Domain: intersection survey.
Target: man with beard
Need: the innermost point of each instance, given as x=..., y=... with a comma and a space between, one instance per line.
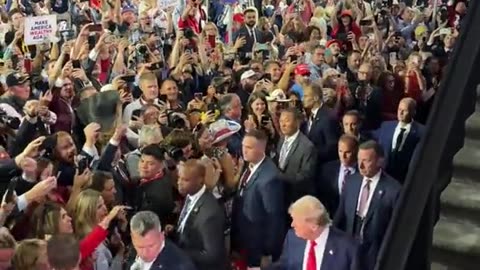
x=249, y=33
x=368, y=98
x=354, y=60
x=247, y=83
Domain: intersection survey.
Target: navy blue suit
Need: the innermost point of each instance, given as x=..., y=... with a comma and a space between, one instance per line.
x=324, y=134
x=327, y=186
x=397, y=164
x=377, y=218
x=341, y=252
x=258, y=215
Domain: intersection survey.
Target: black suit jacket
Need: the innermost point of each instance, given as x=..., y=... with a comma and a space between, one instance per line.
x=250, y=40
x=378, y=216
x=202, y=237
x=299, y=169
x=324, y=134
x=327, y=187
x=170, y=258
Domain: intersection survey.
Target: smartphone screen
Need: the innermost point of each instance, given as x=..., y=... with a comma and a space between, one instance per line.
x=76, y=64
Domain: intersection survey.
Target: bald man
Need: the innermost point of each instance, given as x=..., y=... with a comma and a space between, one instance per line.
x=400, y=139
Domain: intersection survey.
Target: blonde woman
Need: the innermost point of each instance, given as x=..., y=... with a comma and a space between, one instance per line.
x=88, y=211
x=31, y=254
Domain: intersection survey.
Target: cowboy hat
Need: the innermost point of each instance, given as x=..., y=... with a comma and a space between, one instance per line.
x=223, y=129
x=278, y=96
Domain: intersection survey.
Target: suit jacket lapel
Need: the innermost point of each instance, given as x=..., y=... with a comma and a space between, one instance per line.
x=292, y=149
x=254, y=176
x=328, y=260
x=376, y=198
x=194, y=212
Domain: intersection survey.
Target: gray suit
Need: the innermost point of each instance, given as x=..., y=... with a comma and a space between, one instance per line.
x=299, y=167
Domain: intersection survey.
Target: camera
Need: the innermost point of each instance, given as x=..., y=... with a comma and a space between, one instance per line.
x=175, y=120
x=174, y=153
x=9, y=121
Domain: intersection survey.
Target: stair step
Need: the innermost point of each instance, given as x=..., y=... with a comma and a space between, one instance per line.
x=457, y=235
x=462, y=194
x=461, y=199
x=468, y=157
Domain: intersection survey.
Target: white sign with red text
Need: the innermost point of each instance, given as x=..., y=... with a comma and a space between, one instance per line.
x=39, y=29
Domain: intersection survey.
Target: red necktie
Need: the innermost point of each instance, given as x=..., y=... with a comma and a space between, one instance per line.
x=312, y=260
x=245, y=176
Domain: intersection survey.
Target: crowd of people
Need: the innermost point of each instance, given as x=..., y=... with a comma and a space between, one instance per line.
x=212, y=135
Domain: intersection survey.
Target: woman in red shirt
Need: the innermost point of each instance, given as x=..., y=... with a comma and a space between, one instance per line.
x=192, y=17
x=345, y=30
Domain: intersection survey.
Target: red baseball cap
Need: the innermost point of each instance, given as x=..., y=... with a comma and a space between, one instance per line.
x=332, y=41
x=302, y=70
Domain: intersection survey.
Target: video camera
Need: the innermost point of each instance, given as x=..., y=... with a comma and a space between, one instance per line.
x=8, y=121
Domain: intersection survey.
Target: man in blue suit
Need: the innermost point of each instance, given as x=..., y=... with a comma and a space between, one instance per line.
x=367, y=203
x=333, y=174
x=313, y=244
x=258, y=213
x=399, y=139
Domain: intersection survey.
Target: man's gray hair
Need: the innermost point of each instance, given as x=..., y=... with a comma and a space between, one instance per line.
x=144, y=222
x=225, y=102
x=149, y=134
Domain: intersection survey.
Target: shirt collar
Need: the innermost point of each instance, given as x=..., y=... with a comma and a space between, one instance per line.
x=292, y=138
x=254, y=167
x=322, y=238
x=196, y=196
x=407, y=127
x=350, y=169
x=375, y=178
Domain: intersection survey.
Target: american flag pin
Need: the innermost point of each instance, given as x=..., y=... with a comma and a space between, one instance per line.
x=330, y=252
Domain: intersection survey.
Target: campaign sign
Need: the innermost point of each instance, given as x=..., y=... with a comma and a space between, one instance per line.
x=39, y=29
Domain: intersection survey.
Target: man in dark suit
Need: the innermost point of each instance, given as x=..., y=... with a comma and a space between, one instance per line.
x=313, y=244
x=249, y=34
x=399, y=139
x=153, y=251
x=352, y=125
x=367, y=203
x=258, y=213
x=322, y=127
x=201, y=224
x=368, y=97
x=296, y=157
x=333, y=174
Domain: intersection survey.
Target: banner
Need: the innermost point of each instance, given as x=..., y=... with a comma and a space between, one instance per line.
x=39, y=29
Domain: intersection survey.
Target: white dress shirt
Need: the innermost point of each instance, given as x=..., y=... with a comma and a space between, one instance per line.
x=193, y=200
x=407, y=128
x=140, y=264
x=319, y=249
x=341, y=176
x=312, y=116
x=373, y=186
x=254, y=167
